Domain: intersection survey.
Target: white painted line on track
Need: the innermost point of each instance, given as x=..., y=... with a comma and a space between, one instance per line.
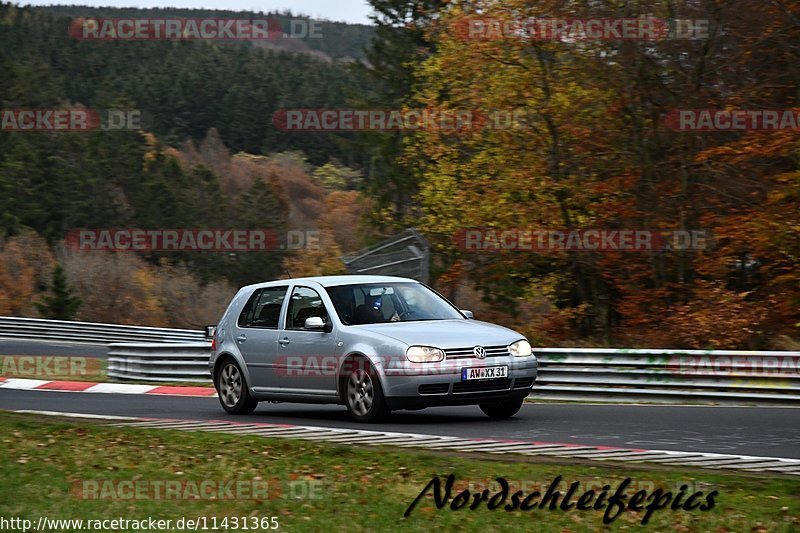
x=120, y=388
x=77, y=415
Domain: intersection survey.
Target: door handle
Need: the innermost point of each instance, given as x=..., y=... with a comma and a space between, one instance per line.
x=241, y=338
x=284, y=341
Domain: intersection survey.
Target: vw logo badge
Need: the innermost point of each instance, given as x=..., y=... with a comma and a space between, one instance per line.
x=479, y=352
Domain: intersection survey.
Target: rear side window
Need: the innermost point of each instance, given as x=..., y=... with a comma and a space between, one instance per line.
x=263, y=309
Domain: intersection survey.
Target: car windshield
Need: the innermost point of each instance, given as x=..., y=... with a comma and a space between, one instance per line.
x=389, y=302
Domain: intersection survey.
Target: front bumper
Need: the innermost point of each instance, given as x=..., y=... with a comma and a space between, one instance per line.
x=418, y=385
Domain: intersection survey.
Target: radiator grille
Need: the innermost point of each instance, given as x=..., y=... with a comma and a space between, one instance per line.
x=467, y=353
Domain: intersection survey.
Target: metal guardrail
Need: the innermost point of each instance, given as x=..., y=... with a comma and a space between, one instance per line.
x=406, y=254
x=90, y=332
x=667, y=375
x=597, y=374
x=160, y=361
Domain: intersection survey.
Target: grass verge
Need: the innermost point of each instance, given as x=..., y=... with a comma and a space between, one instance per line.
x=65, y=469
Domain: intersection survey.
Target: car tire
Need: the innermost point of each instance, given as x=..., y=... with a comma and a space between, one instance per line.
x=232, y=390
x=501, y=410
x=363, y=395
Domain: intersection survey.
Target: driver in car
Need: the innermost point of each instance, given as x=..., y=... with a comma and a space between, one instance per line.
x=372, y=310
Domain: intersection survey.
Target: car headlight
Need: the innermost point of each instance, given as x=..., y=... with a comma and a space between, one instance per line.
x=520, y=348
x=424, y=354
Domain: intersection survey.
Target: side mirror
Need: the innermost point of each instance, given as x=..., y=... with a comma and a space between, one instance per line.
x=467, y=314
x=210, y=331
x=315, y=323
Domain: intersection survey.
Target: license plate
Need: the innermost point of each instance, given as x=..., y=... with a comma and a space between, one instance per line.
x=484, y=372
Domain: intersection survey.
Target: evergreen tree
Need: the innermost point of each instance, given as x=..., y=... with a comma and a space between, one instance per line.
x=62, y=305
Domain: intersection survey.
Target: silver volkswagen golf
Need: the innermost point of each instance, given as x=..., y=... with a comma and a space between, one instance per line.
x=372, y=343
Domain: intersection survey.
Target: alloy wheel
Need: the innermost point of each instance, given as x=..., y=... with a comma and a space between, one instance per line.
x=360, y=392
x=230, y=385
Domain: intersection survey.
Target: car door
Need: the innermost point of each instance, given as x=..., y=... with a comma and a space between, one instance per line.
x=307, y=358
x=257, y=334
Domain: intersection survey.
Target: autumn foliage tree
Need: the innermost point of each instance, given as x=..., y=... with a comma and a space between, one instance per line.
x=592, y=149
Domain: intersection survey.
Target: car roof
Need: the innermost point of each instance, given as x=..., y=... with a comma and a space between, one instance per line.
x=332, y=281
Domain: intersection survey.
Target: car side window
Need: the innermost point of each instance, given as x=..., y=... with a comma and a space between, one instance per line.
x=263, y=309
x=304, y=303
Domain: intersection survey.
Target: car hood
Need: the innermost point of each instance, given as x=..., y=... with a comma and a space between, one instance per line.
x=446, y=334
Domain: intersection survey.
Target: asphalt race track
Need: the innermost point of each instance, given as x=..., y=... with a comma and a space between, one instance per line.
x=769, y=432
x=762, y=431
x=32, y=347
